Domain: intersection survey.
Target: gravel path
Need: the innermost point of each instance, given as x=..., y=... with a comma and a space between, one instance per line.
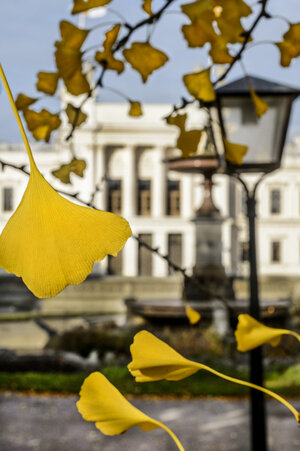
x=52, y=423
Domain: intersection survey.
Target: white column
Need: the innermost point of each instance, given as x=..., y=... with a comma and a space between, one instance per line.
x=186, y=196
x=159, y=184
x=129, y=183
x=189, y=247
x=100, y=165
x=130, y=258
x=160, y=266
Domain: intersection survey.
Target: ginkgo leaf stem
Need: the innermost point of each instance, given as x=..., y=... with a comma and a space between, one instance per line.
x=250, y=385
x=174, y=437
x=18, y=119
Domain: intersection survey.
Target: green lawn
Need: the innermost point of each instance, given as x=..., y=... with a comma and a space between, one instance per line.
x=201, y=384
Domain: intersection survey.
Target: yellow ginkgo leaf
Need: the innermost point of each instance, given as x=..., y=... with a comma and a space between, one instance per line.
x=261, y=107
x=250, y=334
x=187, y=141
x=106, y=57
x=199, y=32
x=199, y=85
x=112, y=414
x=144, y=58
x=147, y=4
x=63, y=172
x=51, y=242
x=200, y=9
x=69, y=65
x=47, y=82
x=23, y=102
x=192, y=314
x=84, y=5
x=41, y=124
x=154, y=360
x=290, y=46
x=135, y=109
x=229, y=19
x=71, y=35
x=234, y=153
x=219, y=51
x=75, y=115
x=68, y=57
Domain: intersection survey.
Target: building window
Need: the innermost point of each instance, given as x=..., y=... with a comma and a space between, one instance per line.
x=173, y=198
x=244, y=251
x=145, y=255
x=114, y=193
x=175, y=249
x=7, y=199
x=144, y=197
x=115, y=265
x=275, y=251
x=275, y=201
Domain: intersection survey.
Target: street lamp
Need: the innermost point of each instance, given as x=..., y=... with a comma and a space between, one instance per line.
x=265, y=138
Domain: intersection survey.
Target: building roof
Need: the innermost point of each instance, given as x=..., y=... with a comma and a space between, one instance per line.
x=260, y=86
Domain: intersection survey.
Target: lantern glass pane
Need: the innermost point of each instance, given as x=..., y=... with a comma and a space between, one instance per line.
x=263, y=136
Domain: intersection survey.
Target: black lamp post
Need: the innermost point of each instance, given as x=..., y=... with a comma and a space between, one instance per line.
x=265, y=138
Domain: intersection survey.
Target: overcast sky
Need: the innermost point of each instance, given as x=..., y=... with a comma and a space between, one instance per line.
x=29, y=28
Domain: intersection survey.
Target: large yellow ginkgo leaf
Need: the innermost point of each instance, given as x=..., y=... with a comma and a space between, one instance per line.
x=199, y=85
x=51, y=242
x=261, y=107
x=103, y=404
x=144, y=58
x=188, y=140
x=84, y=5
x=154, y=360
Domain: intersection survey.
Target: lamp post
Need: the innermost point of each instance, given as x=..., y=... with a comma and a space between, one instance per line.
x=265, y=138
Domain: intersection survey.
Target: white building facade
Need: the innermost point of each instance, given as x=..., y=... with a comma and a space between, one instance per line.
x=125, y=159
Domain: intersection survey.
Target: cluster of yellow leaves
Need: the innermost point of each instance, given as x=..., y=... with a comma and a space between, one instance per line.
x=106, y=57
x=226, y=15
x=75, y=166
x=68, y=58
x=80, y=6
x=187, y=141
x=144, y=58
x=290, y=46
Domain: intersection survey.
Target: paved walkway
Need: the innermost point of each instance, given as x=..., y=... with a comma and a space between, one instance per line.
x=52, y=423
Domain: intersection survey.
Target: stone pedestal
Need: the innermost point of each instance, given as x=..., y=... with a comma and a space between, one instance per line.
x=209, y=270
